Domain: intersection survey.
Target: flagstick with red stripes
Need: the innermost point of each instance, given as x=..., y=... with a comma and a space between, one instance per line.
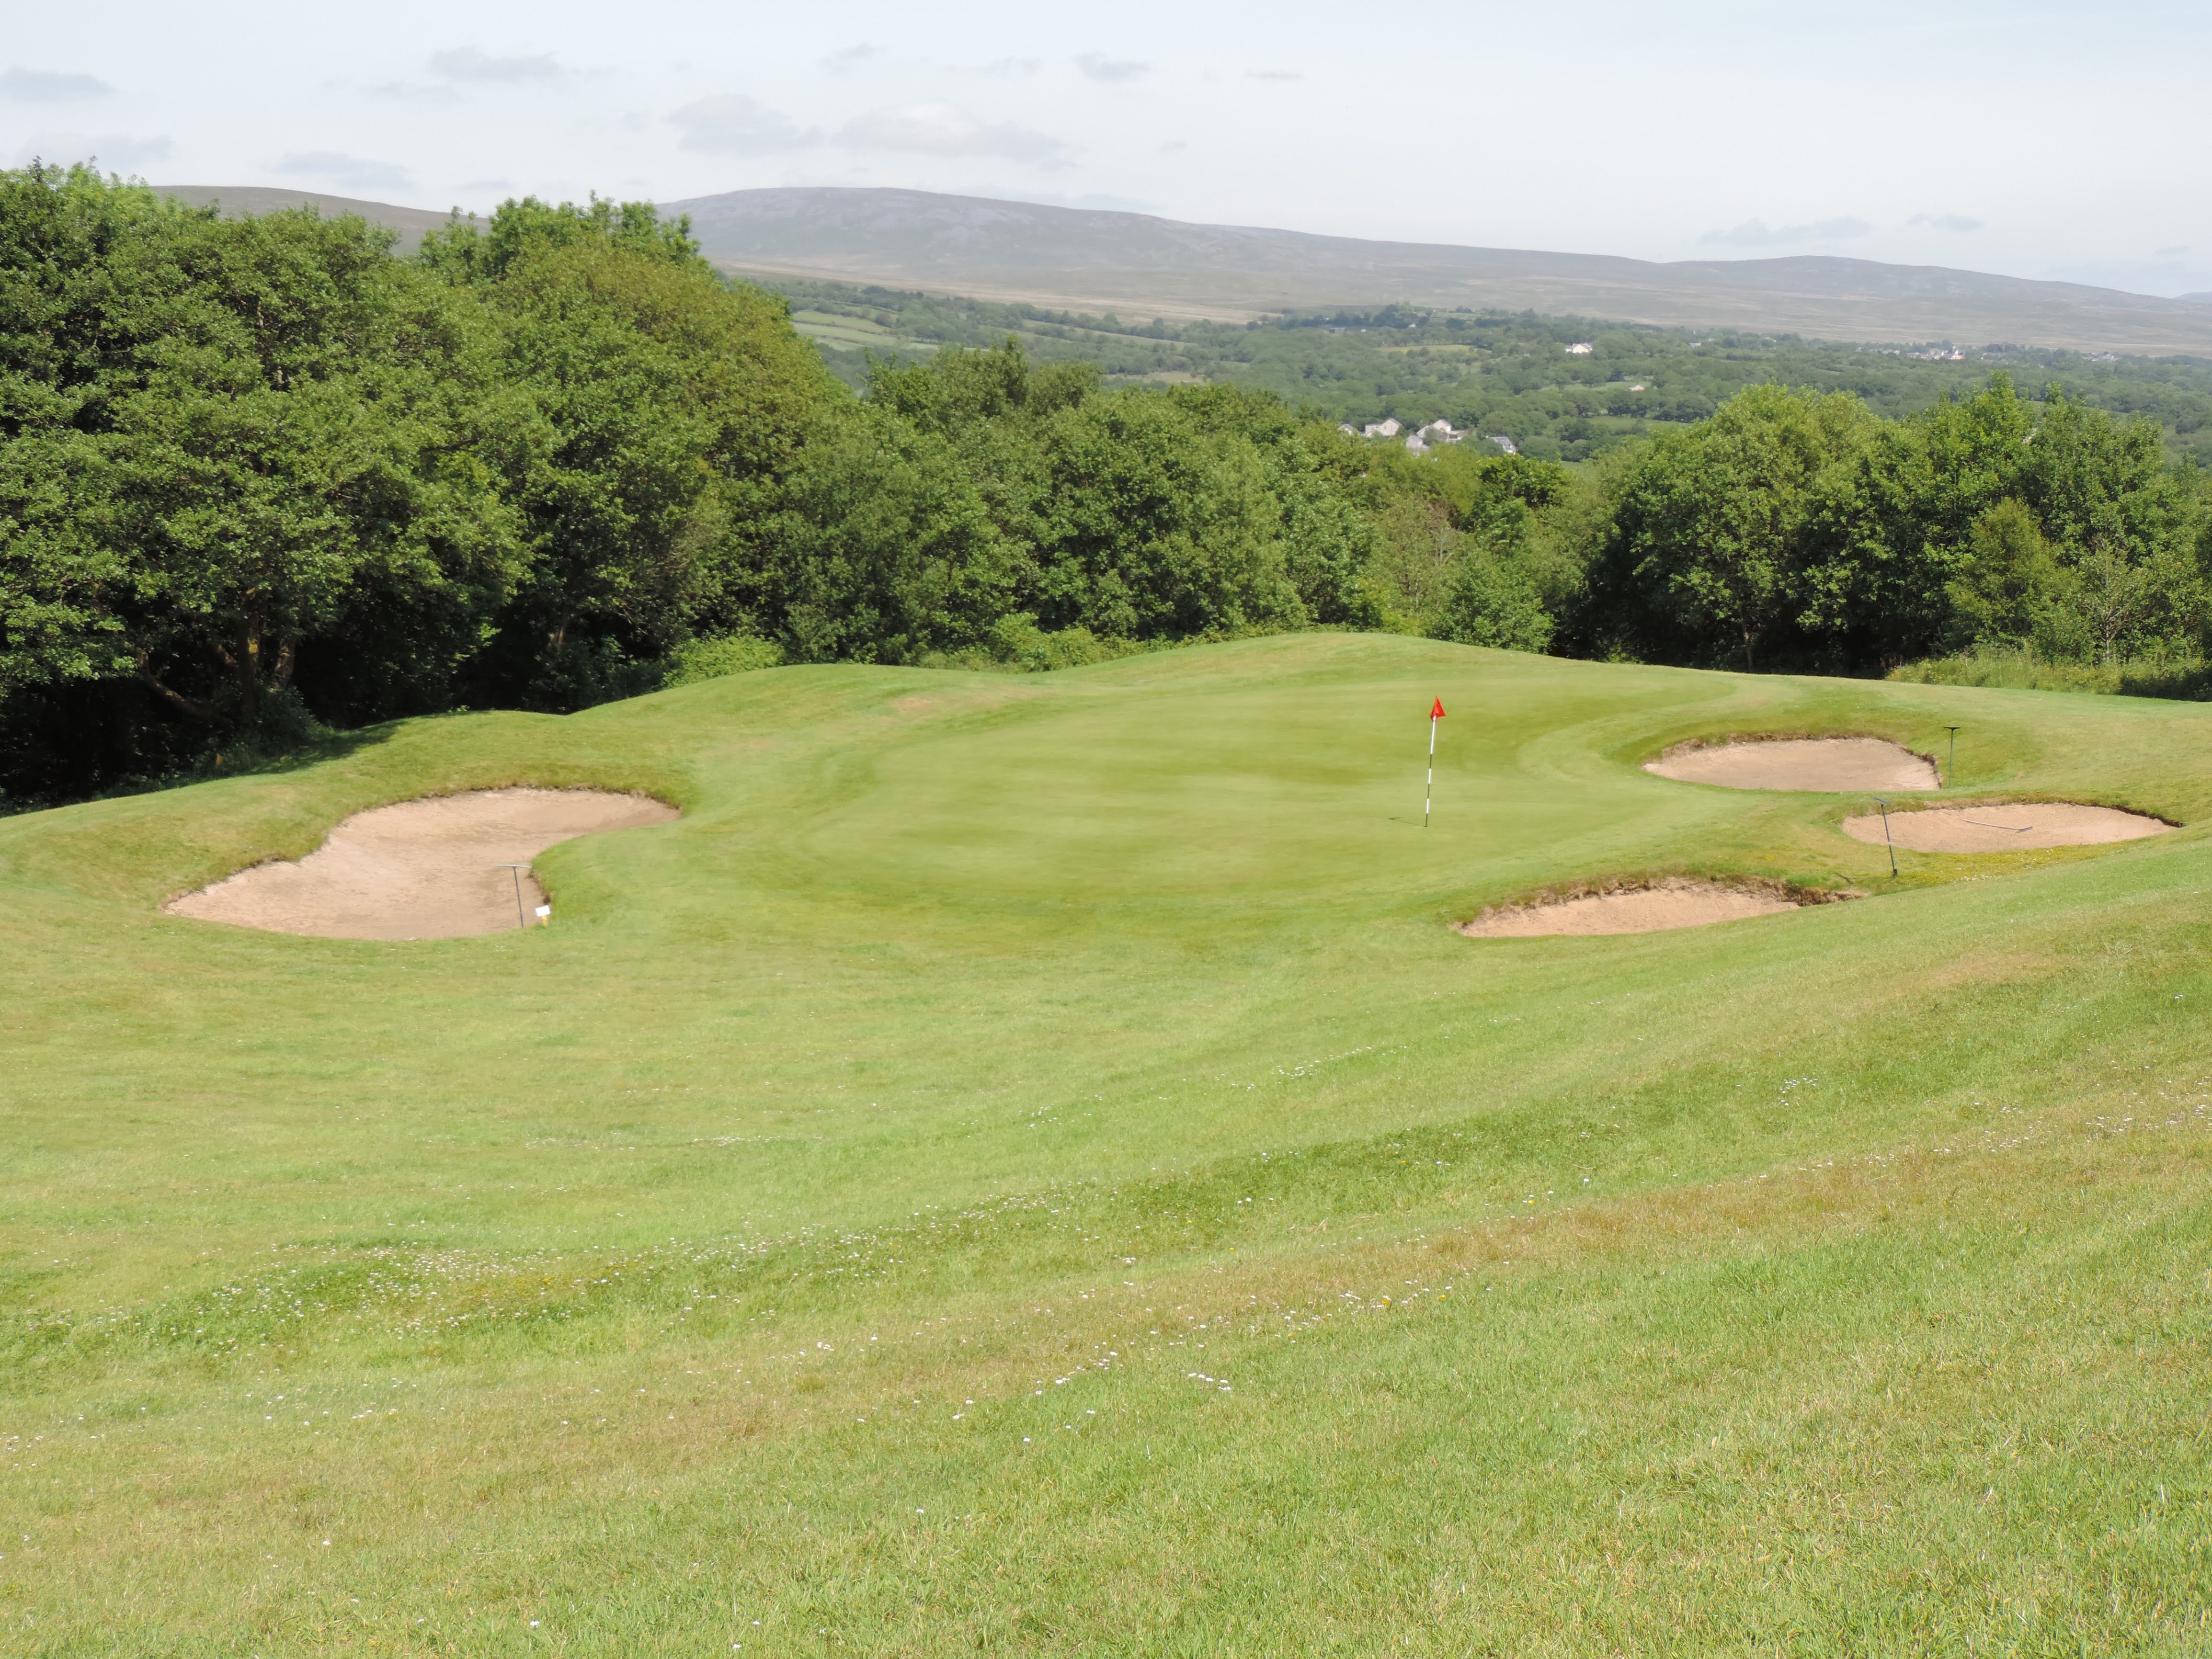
x=1430, y=795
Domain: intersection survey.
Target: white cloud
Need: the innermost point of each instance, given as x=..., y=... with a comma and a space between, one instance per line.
x=851, y=57
x=467, y=64
x=734, y=124
x=355, y=172
x=410, y=92
x=1958, y=222
x=1274, y=75
x=947, y=130
x=115, y=152
x=1754, y=232
x=39, y=86
x=1013, y=66
x=1099, y=67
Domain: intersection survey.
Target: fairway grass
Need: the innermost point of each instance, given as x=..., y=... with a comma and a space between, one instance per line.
x=1027, y=1165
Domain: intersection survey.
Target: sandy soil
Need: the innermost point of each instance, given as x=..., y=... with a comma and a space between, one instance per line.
x=423, y=869
x=1675, y=902
x=1829, y=764
x=2004, y=828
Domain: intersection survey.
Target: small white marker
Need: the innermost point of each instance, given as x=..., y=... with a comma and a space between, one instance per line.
x=545, y=912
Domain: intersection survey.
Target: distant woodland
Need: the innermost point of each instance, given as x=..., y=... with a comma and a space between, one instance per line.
x=1494, y=373
x=262, y=483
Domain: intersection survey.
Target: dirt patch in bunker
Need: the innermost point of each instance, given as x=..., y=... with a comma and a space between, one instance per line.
x=2016, y=827
x=1641, y=908
x=433, y=868
x=1812, y=765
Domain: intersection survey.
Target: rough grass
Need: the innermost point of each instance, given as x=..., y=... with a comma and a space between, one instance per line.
x=2020, y=671
x=1025, y=1166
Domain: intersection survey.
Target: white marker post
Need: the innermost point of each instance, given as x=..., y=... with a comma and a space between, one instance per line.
x=1429, y=794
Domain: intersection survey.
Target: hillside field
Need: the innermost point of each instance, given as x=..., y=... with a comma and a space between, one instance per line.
x=1025, y=1166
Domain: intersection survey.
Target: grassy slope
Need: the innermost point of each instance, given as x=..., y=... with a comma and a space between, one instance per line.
x=971, y=1034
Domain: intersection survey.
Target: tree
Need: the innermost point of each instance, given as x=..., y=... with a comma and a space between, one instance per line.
x=1711, y=523
x=250, y=440
x=2012, y=582
x=668, y=407
x=884, y=552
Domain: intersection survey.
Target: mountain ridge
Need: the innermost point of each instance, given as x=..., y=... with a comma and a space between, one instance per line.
x=1143, y=264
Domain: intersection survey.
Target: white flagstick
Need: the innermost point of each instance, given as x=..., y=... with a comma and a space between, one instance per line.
x=1428, y=793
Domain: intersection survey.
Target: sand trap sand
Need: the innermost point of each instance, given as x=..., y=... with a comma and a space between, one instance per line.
x=1674, y=903
x=1827, y=764
x=423, y=869
x=2004, y=828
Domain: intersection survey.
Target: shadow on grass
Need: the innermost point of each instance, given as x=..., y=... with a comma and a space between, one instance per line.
x=234, y=758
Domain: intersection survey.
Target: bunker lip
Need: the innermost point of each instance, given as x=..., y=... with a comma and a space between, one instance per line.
x=2002, y=827
x=1810, y=765
x=435, y=867
x=1640, y=905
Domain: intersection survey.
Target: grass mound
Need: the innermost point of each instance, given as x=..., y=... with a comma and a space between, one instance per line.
x=1026, y=1165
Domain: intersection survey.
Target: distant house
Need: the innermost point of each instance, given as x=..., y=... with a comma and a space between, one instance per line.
x=1414, y=442
x=1581, y=348
x=1389, y=428
x=1348, y=429
x=1439, y=432
x=1505, y=443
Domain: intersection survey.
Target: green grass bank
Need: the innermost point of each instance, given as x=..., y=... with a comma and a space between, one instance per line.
x=1026, y=1165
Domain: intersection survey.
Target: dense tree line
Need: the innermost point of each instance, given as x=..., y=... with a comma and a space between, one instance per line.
x=260, y=476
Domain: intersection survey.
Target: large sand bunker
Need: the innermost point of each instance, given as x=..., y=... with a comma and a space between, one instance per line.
x=1674, y=903
x=1833, y=765
x=2012, y=829
x=424, y=869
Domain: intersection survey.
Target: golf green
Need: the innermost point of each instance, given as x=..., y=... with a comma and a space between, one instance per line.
x=1026, y=1164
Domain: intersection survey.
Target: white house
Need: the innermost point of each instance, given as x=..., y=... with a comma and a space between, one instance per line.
x=1581, y=348
x=1389, y=428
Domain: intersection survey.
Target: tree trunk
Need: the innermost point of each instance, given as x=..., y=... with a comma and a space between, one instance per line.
x=192, y=706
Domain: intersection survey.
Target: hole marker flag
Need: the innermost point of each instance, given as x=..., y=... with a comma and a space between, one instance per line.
x=1436, y=713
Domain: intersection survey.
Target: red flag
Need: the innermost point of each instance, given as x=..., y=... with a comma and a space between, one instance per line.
x=1437, y=713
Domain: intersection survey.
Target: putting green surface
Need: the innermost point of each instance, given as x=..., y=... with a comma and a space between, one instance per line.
x=1025, y=1163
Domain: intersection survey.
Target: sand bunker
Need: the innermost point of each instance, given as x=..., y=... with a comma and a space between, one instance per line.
x=1832, y=765
x=424, y=869
x=2004, y=828
x=1674, y=903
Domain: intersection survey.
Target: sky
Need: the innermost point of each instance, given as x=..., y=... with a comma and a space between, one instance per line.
x=2037, y=140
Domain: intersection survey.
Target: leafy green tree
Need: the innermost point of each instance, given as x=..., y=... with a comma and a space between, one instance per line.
x=884, y=551
x=668, y=407
x=1154, y=529
x=1711, y=523
x=251, y=441
x=2012, y=582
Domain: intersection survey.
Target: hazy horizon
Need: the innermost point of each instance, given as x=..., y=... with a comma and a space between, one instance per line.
x=2029, y=140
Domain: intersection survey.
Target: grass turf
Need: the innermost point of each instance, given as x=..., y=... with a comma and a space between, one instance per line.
x=1026, y=1165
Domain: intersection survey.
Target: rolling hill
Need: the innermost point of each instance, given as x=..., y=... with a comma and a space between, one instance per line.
x=241, y=199
x=1023, y=1166
x=1136, y=264
x=1140, y=265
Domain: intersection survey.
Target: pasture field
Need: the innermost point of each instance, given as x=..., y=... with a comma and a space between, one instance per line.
x=1025, y=1166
